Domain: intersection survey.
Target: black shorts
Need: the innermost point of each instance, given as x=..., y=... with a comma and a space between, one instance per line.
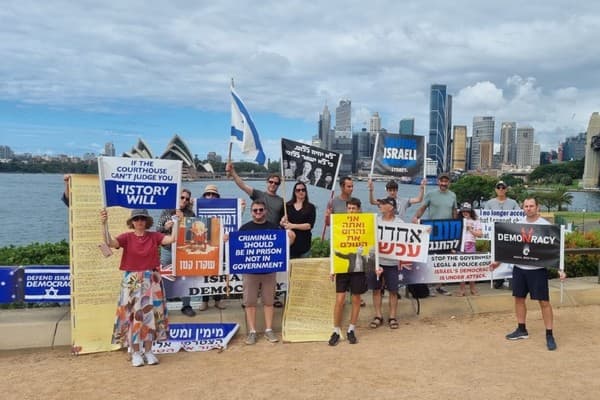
x=356, y=282
x=532, y=281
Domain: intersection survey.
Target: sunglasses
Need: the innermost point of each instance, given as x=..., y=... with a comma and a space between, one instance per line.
x=185, y=198
x=210, y=195
x=276, y=183
x=138, y=218
x=257, y=210
x=300, y=190
x=501, y=187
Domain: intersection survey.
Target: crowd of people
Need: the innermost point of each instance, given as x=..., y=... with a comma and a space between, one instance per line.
x=142, y=315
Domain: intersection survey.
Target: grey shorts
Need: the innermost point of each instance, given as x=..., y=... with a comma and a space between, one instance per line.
x=266, y=283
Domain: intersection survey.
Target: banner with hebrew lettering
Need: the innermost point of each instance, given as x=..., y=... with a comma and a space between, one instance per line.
x=310, y=165
x=445, y=235
x=403, y=242
x=353, y=243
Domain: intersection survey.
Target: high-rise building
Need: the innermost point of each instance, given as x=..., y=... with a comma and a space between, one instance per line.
x=343, y=145
x=6, y=153
x=524, y=146
x=361, y=150
x=508, y=143
x=574, y=147
x=437, y=147
x=109, y=149
x=343, y=119
x=591, y=170
x=324, y=127
x=459, y=148
x=482, y=141
x=448, y=133
x=375, y=123
x=407, y=126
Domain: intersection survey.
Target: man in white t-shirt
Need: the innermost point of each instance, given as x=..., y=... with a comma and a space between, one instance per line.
x=532, y=280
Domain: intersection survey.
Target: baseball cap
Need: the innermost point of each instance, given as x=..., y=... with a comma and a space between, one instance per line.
x=444, y=175
x=500, y=183
x=466, y=206
x=387, y=200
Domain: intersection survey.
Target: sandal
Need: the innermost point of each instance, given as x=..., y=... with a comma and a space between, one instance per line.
x=277, y=304
x=458, y=293
x=393, y=322
x=475, y=292
x=376, y=323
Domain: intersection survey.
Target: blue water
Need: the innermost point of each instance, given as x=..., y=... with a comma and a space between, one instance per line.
x=31, y=209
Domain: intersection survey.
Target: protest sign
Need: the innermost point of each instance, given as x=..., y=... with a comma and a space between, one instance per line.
x=445, y=235
x=402, y=241
x=310, y=165
x=527, y=244
x=399, y=155
x=258, y=252
x=487, y=218
x=447, y=268
x=139, y=183
x=199, y=248
x=353, y=242
x=47, y=283
x=196, y=337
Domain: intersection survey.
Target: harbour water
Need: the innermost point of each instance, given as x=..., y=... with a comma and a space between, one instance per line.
x=32, y=211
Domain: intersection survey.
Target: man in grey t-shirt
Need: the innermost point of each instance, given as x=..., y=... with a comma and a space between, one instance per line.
x=501, y=201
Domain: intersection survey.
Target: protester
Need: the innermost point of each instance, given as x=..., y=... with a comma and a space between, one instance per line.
x=165, y=225
x=301, y=215
x=273, y=202
x=263, y=283
x=356, y=282
x=532, y=280
x=403, y=203
x=387, y=272
x=440, y=204
x=501, y=202
x=472, y=231
x=142, y=310
x=339, y=204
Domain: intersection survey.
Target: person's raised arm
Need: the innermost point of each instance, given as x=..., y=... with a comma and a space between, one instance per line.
x=371, y=196
x=111, y=242
x=419, y=198
x=236, y=178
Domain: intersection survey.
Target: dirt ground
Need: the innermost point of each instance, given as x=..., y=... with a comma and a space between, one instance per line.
x=457, y=358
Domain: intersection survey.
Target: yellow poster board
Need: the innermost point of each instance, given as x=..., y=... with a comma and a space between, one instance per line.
x=308, y=315
x=95, y=279
x=353, y=242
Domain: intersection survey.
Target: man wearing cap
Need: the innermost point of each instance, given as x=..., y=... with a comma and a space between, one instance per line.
x=501, y=202
x=386, y=272
x=440, y=204
x=402, y=203
x=165, y=225
x=211, y=192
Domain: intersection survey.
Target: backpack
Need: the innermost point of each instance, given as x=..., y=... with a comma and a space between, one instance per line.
x=418, y=291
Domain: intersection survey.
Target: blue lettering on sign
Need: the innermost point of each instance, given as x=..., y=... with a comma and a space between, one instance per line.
x=198, y=332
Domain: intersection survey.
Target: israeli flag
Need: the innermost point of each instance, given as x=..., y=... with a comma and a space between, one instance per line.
x=243, y=131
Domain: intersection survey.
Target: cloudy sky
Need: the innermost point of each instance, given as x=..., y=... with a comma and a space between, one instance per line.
x=77, y=74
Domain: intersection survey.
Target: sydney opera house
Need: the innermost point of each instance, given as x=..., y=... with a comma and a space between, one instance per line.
x=176, y=150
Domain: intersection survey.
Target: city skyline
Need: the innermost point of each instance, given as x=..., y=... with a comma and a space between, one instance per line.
x=74, y=78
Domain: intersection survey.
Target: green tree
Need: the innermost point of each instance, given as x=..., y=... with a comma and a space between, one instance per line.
x=474, y=188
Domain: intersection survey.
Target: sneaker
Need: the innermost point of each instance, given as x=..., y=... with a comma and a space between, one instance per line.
x=251, y=338
x=517, y=334
x=270, y=336
x=334, y=339
x=203, y=306
x=136, y=359
x=150, y=358
x=550, y=343
x=443, y=291
x=219, y=304
x=432, y=292
x=187, y=310
x=351, y=337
